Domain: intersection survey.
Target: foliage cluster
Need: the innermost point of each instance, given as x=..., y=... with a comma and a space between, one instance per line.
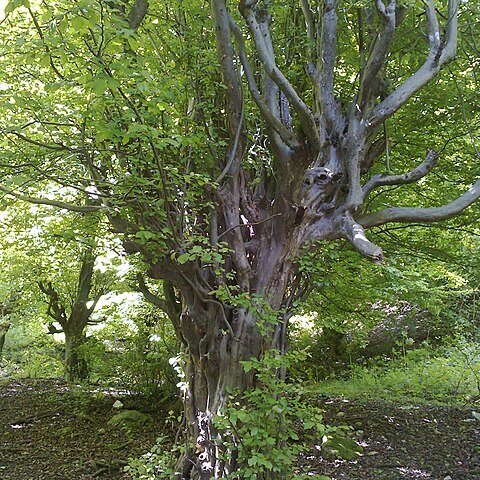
x=29, y=353
x=269, y=426
x=132, y=353
x=266, y=428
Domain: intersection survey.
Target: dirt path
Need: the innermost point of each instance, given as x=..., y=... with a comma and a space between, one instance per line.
x=406, y=442
x=48, y=432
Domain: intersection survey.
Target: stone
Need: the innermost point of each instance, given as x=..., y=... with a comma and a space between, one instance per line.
x=129, y=417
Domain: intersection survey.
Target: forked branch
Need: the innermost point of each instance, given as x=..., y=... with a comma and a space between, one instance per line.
x=55, y=308
x=440, y=53
x=272, y=121
x=268, y=61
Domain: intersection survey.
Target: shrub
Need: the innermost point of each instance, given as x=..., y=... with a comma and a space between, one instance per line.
x=269, y=426
x=133, y=355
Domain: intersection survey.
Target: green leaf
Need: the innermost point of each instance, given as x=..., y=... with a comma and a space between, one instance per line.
x=14, y=4
x=183, y=258
x=45, y=60
x=99, y=85
x=206, y=257
x=79, y=23
x=145, y=235
x=133, y=43
x=268, y=464
x=17, y=180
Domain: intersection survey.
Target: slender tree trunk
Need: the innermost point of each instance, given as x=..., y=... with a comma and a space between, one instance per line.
x=75, y=366
x=4, y=327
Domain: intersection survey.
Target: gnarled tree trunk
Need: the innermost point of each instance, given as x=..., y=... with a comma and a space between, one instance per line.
x=213, y=370
x=218, y=334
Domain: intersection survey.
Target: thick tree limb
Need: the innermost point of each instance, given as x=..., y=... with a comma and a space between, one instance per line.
x=85, y=276
x=439, y=55
x=268, y=61
x=328, y=49
x=410, y=177
x=85, y=285
x=276, y=100
x=412, y=214
x=433, y=26
x=55, y=309
x=234, y=96
x=377, y=58
x=375, y=149
x=356, y=132
x=149, y=295
x=309, y=23
x=137, y=13
x=272, y=121
x=355, y=234
x=53, y=203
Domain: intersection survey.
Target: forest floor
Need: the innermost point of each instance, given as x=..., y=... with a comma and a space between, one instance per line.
x=49, y=432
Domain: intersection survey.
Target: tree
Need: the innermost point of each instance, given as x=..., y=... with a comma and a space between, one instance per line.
x=5, y=324
x=220, y=191
x=72, y=281
x=56, y=260
x=4, y=328
x=75, y=315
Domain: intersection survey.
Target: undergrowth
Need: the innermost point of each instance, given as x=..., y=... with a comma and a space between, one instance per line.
x=447, y=375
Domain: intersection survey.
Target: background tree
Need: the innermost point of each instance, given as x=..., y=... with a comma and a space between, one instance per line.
x=5, y=324
x=219, y=191
x=74, y=315
x=58, y=260
x=4, y=327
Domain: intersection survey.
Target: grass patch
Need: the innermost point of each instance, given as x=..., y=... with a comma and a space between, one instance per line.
x=449, y=375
